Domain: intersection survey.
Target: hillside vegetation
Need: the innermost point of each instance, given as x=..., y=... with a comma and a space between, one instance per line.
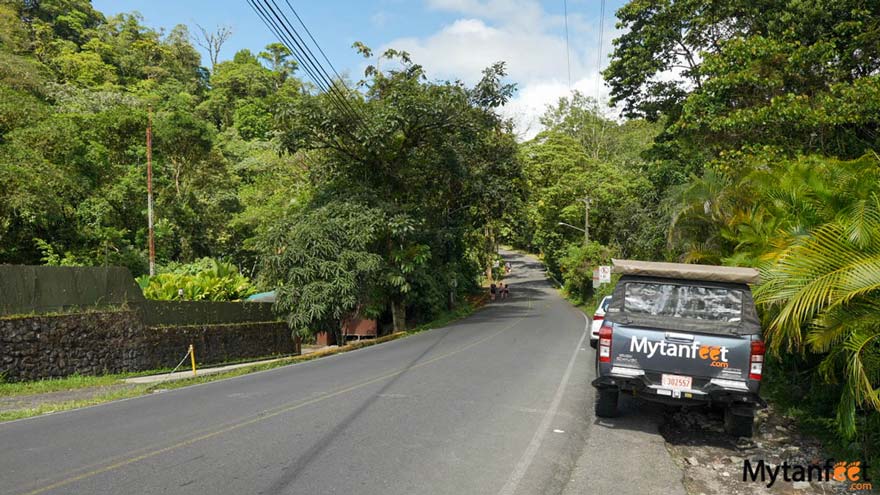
x=747, y=135
x=750, y=138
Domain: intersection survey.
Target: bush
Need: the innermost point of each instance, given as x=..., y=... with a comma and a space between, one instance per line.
x=577, y=268
x=204, y=280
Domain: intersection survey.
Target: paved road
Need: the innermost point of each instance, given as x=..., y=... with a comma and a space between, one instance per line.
x=499, y=403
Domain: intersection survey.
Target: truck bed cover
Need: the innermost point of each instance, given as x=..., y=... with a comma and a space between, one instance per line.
x=683, y=271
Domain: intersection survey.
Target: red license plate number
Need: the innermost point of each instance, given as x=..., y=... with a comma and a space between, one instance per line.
x=677, y=382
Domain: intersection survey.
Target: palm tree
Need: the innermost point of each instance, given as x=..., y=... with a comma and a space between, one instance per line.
x=823, y=294
x=699, y=210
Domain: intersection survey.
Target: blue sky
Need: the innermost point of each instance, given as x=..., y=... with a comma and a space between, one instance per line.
x=453, y=39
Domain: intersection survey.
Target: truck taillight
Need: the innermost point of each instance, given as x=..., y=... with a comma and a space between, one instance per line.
x=598, y=317
x=605, y=343
x=756, y=361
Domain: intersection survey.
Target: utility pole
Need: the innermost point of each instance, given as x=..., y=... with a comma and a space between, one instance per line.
x=587, y=202
x=150, y=191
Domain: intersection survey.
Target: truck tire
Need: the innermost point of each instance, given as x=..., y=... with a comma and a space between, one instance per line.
x=606, y=402
x=739, y=425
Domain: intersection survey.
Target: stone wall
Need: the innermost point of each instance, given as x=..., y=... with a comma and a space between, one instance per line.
x=217, y=343
x=94, y=343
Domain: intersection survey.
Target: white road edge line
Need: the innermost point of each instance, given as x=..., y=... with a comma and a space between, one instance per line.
x=519, y=471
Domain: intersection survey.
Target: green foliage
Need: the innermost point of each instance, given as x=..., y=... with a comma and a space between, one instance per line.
x=237, y=154
x=577, y=267
x=432, y=158
x=768, y=159
x=751, y=140
x=822, y=294
x=203, y=280
x=749, y=214
x=584, y=154
x=321, y=265
x=75, y=88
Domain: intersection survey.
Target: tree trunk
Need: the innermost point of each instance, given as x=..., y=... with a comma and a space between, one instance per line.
x=491, y=249
x=177, y=168
x=398, y=315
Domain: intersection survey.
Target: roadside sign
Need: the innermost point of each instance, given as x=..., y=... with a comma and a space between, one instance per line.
x=596, y=282
x=605, y=274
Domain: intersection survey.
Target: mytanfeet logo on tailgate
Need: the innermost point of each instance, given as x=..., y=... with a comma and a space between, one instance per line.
x=855, y=473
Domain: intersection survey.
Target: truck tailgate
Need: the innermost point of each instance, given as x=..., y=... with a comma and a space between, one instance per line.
x=696, y=355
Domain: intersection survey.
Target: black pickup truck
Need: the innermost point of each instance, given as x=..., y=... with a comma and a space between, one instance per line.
x=682, y=334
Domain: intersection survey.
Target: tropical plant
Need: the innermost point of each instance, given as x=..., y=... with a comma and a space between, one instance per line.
x=204, y=280
x=321, y=265
x=432, y=160
x=823, y=295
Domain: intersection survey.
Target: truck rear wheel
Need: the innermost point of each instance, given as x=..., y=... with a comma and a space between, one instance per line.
x=606, y=402
x=739, y=425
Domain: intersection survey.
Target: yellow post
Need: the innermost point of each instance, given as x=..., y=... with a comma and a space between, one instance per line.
x=192, y=358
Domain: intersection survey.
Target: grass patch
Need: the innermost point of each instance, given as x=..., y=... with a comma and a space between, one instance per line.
x=51, y=407
x=48, y=385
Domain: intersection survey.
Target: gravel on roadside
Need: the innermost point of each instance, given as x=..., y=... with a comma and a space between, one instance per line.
x=714, y=462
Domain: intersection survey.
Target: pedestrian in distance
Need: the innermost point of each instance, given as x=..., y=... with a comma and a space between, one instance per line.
x=501, y=289
x=492, y=289
x=507, y=267
x=505, y=291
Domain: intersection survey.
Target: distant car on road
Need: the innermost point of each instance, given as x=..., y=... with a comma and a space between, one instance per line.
x=598, y=318
x=682, y=335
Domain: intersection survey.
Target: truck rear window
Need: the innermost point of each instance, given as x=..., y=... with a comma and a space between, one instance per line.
x=683, y=301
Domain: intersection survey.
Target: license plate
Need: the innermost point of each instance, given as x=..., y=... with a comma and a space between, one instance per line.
x=677, y=382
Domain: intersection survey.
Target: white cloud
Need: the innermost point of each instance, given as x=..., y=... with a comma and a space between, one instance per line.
x=531, y=101
x=523, y=35
x=524, y=14
x=467, y=46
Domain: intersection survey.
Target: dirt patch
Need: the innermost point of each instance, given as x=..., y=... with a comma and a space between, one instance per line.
x=21, y=402
x=714, y=462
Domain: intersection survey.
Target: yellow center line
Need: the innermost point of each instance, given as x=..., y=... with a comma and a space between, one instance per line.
x=260, y=417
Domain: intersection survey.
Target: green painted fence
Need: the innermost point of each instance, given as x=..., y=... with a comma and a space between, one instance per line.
x=50, y=289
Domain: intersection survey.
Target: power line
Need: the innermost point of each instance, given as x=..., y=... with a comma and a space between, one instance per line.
x=315, y=42
x=272, y=25
x=599, y=52
x=307, y=54
x=567, y=49
x=276, y=22
x=276, y=28
x=275, y=19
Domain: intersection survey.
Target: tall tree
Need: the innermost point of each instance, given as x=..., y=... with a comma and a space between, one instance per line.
x=434, y=158
x=213, y=41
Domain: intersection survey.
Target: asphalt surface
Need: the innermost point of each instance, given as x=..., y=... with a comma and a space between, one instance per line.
x=498, y=403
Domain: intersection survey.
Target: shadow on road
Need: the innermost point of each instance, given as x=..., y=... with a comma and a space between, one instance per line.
x=292, y=471
x=678, y=425
x=523, y=288
x=635, y=415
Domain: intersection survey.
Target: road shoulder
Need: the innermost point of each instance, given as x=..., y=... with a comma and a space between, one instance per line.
x=626, y=455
